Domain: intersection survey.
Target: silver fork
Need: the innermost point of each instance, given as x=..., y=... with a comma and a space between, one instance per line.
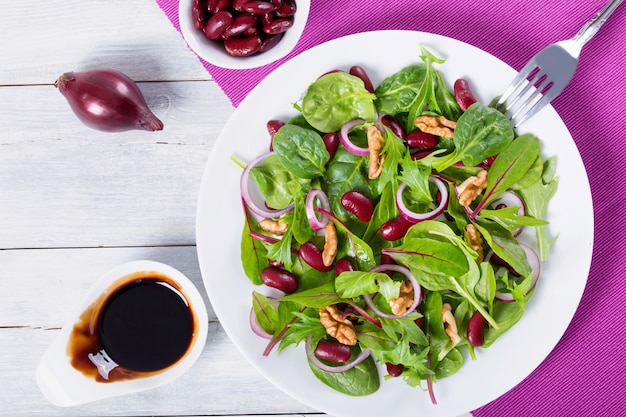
x=548, y=72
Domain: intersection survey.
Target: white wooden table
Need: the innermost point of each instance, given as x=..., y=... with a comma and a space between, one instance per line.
x=75, y=202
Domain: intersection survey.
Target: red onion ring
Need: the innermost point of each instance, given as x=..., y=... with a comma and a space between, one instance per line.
x=254, y=325
x=315, y=222
x=251, y=195
x=333, y=369
x=347, y=143
x=535, y=265
x=417, y=290
x=414, y=217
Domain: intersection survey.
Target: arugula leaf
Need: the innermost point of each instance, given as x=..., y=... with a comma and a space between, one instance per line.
x=306, y=323
x=353, y=284
x=280, y=251
x=502, y=242
x=537, y=198
x=507, y=217
x=317, y=297
x=393, y=150
x=415, y=175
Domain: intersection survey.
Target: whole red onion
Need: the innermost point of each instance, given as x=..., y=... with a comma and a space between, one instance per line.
x=107, y=100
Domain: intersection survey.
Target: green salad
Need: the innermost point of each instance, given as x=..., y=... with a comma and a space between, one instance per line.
x=387, y=220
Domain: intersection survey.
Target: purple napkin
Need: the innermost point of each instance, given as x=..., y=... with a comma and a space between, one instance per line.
x=584, y=375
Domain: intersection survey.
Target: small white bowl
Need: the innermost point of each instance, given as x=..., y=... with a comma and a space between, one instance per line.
x=213, y=51
x=64, y=385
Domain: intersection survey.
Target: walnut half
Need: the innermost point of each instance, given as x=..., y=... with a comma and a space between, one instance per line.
x=337, y=326
x=449, y=323
x=401, y=304
x=472, y=187
x=438, y=126
x=474, y=240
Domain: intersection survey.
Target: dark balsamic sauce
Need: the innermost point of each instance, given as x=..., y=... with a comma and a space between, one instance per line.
x=141, y=326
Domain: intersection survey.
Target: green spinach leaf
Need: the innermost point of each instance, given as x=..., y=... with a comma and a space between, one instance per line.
x=334, y=99
x=301, y=151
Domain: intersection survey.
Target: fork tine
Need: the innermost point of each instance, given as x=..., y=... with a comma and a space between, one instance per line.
x=529, y=98
x=548, y=94
x=533, y=79
x=517, y=82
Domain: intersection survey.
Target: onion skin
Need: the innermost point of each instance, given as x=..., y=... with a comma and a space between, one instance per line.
x=107, y=100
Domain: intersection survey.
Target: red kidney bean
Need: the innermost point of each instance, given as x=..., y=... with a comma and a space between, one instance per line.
x=273, y=126
x=476, y=329
x=394, y=370
x=387, y=260
x=313, y=257
x=286, y=9
x=358, y=204
x=258, y=7
x=276, y=3
x=417, y=155
x=269, y=42
x=395, y=126
x=242, y=46
x=334, y=352
x=277, y=26
x=463, y=94
x=240, y=25
x=238, y=5
x=489, y=161
x=266, y=18
x=280, y=279
x=419, y=139
x=496, y=260
x=395, y=229
x=273, y=262
x=358, y=71
x=214, y=6
x=197, y=14
x=343, y=265
x=331, y=141
x=217, y=24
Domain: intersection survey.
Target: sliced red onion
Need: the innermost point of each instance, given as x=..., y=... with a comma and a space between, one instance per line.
x=251, y=195
x=315, y=222
x=417, y=290
x=535, y=265
x=345, y=140
x=254, y=325
x=414, y=217
x=510, y=199
x=333, y=369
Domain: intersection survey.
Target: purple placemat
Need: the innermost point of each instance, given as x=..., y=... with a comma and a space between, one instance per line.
x=584, y=375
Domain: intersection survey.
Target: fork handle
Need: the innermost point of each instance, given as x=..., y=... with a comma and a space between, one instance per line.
x=593, y=25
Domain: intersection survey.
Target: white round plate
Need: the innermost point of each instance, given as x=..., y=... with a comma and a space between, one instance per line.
x=220, y=222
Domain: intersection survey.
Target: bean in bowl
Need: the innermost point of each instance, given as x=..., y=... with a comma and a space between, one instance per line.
x=244, y=27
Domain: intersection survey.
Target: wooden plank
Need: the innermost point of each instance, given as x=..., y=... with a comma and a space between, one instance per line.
x=47, y=285
x=41, y=40
x=66, y=185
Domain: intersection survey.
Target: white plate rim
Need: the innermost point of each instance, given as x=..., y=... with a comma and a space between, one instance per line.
x=575, y=228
